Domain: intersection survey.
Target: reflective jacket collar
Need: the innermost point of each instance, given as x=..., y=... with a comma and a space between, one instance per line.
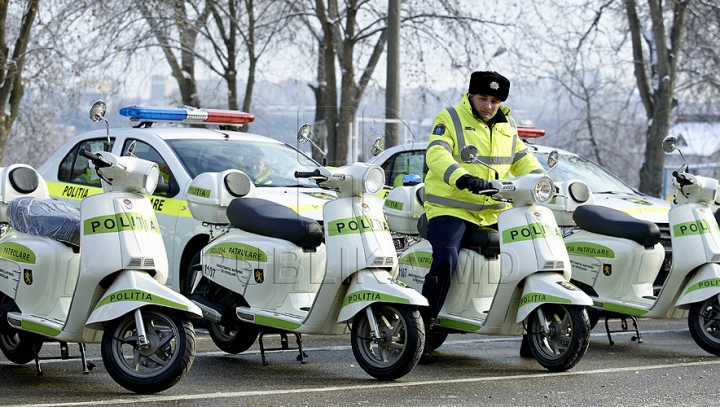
x=500, y=116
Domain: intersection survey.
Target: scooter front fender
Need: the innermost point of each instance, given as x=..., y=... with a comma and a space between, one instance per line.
x=133, y=289
x=376, y=285
x=548, y=288
x=702, y=285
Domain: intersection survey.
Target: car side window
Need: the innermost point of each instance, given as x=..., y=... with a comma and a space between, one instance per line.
x=140, y=149
x=402, y=164
x=74, y=167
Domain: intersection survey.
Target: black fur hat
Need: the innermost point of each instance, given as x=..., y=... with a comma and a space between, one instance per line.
x=489, y=83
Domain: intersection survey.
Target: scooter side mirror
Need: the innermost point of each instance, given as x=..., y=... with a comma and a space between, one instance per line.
x=97, y=111
x=377, y=147
x=553, y=159
x=303, y=136
x=468, y=153
x=304, y=133
x=668, y=144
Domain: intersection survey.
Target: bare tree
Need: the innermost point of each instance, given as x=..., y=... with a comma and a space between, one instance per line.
x=243, y=32
x=656, y=49
x=351, y=40
x=12, y=88
x=66, y=57
x=175, y=26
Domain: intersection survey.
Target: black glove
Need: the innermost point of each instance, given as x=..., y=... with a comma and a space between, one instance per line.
x=472, y=183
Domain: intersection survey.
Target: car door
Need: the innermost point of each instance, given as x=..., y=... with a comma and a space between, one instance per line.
x=75, y=180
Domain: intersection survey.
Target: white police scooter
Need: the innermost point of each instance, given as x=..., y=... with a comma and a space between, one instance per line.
x=271, y=270
x=505, y=283
x=615, y=259
x=93, y=276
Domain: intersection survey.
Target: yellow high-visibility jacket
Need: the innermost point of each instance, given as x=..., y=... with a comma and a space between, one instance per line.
x=498, y=146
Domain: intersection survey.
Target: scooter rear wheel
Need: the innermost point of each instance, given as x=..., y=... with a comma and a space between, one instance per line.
x=20, y=347
x=567, y=340
x=158, y=367
x=704, y=324
x=399, y=347
x=233, y=338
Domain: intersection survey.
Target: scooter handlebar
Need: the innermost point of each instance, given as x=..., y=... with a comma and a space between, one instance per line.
x=488, y=192
x=311, y=174
x=682, y=179
x=96, y=159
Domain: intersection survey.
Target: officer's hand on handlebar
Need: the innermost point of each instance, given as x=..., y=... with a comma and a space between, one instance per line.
x=472, y=183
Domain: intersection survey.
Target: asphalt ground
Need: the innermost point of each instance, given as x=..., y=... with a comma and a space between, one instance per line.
x=667, y=369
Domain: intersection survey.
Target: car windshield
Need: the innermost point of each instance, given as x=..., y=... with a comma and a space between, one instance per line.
x=267, y=164
x=598, y=179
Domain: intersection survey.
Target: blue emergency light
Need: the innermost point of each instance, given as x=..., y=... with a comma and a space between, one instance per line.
x=186, y=114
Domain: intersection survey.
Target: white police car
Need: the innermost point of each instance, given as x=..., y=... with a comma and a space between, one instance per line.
x=182, y=153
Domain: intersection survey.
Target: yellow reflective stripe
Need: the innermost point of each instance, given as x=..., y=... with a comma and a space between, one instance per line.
x=305, y=208
x=71, y=191
x=635, y=211
x=169, y=206
x=165, y=206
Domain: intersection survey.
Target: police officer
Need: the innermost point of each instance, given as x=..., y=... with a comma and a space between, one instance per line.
x=452, y=205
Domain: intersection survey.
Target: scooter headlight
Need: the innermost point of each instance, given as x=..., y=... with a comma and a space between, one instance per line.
x=544, y=189
x=150, y=180
x=374, y=180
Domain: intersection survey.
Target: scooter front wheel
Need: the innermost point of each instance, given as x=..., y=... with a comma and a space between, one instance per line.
x=558, y=335
x=159, y=365
x=396, y=352
x=704, y=324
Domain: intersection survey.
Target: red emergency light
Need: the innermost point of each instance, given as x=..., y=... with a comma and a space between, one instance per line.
x=530, y=131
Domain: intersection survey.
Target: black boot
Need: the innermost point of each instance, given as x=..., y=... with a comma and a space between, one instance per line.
x=525, y=351
x=427, y=358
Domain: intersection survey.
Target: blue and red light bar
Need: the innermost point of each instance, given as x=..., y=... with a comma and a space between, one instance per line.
x=530, y=131
x=189, y=115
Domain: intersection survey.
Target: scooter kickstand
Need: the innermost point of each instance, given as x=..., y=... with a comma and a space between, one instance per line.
x=37, y=361
x=284, y=345
x=87, y=366
x=302, y=355
x=637, y=331
x=624, y=327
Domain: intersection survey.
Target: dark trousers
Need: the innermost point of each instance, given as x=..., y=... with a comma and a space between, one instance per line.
x=445, y=234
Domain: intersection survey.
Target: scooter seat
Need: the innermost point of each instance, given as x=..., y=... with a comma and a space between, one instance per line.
x=485, y=241
x=612, y=222
x=45, y=217
x=267, y=218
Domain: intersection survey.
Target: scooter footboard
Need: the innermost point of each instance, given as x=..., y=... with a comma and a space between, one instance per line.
x=702, y=285
x=376, y=285
x=133, y=289
x=548, y=288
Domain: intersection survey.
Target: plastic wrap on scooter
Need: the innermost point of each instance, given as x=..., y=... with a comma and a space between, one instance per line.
x=45, y=217
x=267, y=218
